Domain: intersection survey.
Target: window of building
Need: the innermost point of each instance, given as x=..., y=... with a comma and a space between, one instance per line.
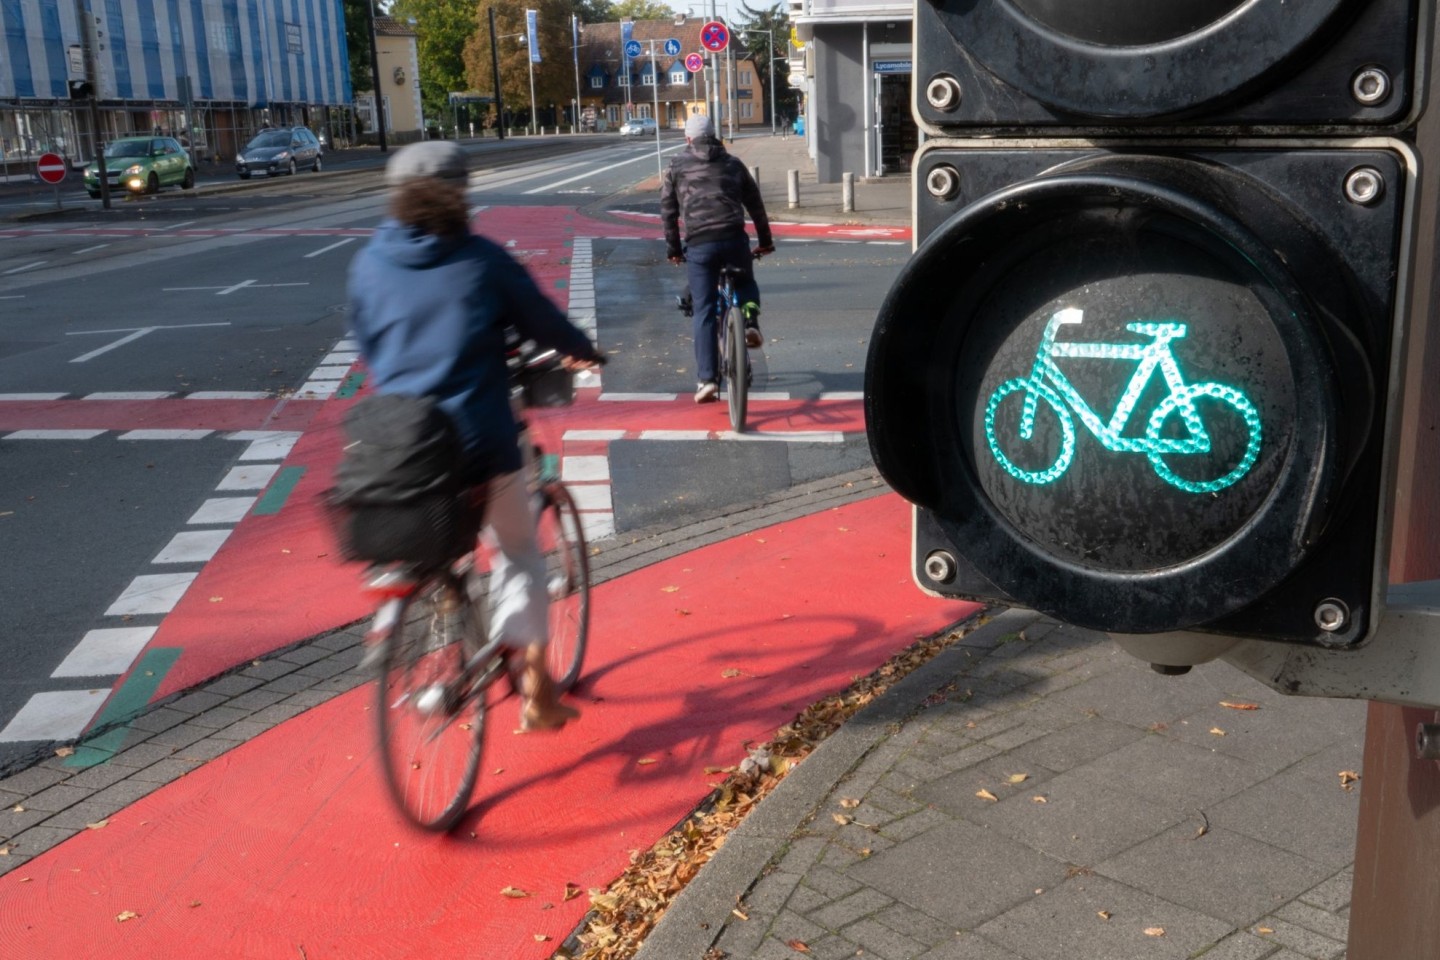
x=747, y=110
x=597, y=83
x=643, y=110
x=612, y=113
x=680, y=76
x=746, y=78
x=623, y=79
x=647, y=80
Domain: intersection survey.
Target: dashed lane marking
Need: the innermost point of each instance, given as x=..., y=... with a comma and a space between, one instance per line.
x=106, y=652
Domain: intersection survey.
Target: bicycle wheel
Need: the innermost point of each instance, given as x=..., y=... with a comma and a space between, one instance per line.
x=738, y=381
x=430, y=731
x=567, y=570
x=1026, y=459
x=1228, y=398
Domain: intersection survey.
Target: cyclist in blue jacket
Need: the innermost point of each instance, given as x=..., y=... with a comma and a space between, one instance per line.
x=429, y=304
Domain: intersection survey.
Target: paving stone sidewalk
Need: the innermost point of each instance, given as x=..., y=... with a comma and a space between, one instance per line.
x=1033, y=793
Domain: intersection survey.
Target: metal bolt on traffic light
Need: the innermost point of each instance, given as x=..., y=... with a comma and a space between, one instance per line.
x=1138, y=374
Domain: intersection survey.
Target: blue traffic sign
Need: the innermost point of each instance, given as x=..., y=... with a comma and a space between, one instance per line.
x=672, y=47
x=632, y=48
x=714, y=36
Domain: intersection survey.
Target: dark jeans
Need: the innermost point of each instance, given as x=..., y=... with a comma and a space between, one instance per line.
x=702, y=270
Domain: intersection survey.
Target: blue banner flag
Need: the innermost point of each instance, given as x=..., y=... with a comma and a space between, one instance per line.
x=532, y=35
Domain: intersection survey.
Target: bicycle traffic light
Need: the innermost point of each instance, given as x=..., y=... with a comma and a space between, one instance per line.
x=1135, y=375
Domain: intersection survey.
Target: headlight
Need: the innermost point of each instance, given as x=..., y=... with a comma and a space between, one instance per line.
x=134, y=170
x=283, y=155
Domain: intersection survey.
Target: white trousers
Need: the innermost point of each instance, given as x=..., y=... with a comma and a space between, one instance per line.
x=519, y=594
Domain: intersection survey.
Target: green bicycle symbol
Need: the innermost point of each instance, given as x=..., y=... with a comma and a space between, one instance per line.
x=1048, y=382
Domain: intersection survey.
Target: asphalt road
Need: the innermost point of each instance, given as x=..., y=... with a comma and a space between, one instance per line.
x=159, y=360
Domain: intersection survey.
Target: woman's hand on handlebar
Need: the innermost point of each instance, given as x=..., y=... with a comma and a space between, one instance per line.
x=759, y=252
x=575, y=363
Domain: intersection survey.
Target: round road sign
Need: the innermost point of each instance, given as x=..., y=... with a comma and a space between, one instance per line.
x=694, y=62
x=632, y=48
x=672, y=47
x=714, y=36
x=51, y=167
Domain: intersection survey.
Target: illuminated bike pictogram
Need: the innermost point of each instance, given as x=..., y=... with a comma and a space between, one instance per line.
x=1048, y=382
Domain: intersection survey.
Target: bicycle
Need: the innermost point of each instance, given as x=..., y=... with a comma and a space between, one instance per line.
x=437, y=662
x=734, y=367
x=1048, y=382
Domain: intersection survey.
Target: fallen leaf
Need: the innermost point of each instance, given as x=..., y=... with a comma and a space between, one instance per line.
x=216, y=599
x=731, y=672
x=1239, y=706
x=194, y=903
x=736, y=911
x=65, y=752
x=1348, y=777
x=840, y=818
x=799, y=946
x=1217, y=731
x=849, y=803
x=515, y=893
x=669, y=589
x=540, y=937
x=18, y=808
x=644, y=760
x=1017, y=778
x=1154, y=931
x=1038, y=799
x=24, y=879
x=4, y=851
x=1263, y=930
x=984, y=794
x=1104, y=914
x=571, y=892
x=98, y=824
x=124, y=915
x=711, y=770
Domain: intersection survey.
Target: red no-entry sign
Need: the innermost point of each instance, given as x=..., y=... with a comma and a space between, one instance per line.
x=51, y=167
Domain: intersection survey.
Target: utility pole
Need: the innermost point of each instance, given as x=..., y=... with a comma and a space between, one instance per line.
x=495, y=70
x=92, y=76
x=575, y=48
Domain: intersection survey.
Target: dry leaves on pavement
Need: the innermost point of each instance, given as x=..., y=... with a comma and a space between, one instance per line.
x=624, y=914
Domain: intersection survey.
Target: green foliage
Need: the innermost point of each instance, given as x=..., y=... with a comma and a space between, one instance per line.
x=554, y=74
x=640, y=10
x=357, y=43
x=753, y=33
x=442, y=29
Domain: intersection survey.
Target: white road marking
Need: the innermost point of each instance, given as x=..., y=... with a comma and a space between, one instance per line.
x=640, y=397
x=330, y=372
x=674, y=434
x=250, y=477
x=842, y=395
x=223, y=510
x=348, y=345
x=768, y=396
x=275, y=447
x=28, y=266
x=127, y=395
x=592, y=497
x=317, y=390
x=54, y=434
x=151, y=593
x=105, y=653
x=192, y=546
x=98, y=246
x=62, y=715
x=135, y=333
x=332, y=246
x=165, y=434
x=231, y=289
x=560, y=183
x=32, y=396
x=341, y=356
x=582, y=469
x=597, y=526
x=593, y=435
x=228, y=395
x=798, y=436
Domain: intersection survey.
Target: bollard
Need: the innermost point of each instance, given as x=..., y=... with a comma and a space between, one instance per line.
x=792, y=178
x=847, y=192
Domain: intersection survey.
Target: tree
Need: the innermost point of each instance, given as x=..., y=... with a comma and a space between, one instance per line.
x=640, y=10
x=357, y=43
x=754, y=34
x=554, y=74
x=595, y=11
x=442, y=28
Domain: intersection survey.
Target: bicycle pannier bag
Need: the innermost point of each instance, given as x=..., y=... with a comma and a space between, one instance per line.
x=398, y=487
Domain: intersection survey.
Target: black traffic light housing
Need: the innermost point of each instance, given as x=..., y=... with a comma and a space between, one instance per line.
x=81, y=90
x=1135, y=376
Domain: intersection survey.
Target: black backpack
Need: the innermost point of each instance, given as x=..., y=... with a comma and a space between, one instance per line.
x=398, y=492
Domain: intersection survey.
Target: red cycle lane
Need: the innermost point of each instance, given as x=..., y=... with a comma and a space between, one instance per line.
x=287, y=846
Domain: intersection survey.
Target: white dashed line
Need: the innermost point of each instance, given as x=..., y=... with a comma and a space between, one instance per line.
x=54, y=434
x=277, y=446
x=640, y=397
x=61, y=715
x=223, y=510
x=21, y=397
x=105, y=653
x=842, y=395
x=584, y=469
x=332, y=246
x=252, y=477
x=151, y=593
x=592, y=497
x=128, y=395
x=192, y=546
x=799, y=436
x=674, y=434
x=165, y=434
x=228, y=395
x=594, y=435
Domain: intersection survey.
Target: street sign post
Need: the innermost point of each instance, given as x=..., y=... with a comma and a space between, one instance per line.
x=51, y=168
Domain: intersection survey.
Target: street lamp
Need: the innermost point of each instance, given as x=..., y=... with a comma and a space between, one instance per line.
x=744, y=36
x=523, y=40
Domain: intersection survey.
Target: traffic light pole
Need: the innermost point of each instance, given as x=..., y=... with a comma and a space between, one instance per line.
x=495, y=71
x=1392, y=912
x=87, y=26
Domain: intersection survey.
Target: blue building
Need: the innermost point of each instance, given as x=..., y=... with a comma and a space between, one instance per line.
x=212, y=71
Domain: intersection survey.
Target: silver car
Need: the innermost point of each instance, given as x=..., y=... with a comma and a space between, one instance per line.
x=638, y=127
x=279, y=151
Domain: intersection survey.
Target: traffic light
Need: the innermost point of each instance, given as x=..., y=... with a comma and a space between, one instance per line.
x=1136, y=374
x=81, y=90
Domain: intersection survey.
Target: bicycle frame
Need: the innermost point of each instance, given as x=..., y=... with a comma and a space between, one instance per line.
x=1151, y=356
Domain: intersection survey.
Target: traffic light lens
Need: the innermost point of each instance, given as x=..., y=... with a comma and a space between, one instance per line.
x=1123, y=23
x=1105, y=399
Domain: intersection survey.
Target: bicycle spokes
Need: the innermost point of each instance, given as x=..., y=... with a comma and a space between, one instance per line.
x=1029, y=422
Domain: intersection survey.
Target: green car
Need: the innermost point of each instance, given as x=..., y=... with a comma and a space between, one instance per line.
x=142, y=165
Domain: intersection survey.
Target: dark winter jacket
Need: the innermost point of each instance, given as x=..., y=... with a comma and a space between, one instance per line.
x=711, y=191
x=430, y=315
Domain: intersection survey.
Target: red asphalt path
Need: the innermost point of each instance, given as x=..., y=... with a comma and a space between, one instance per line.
x=287, y=846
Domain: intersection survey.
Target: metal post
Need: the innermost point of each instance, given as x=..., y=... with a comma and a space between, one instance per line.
x=575, y=46
x=530, y=60
x=1392, y=914
x=88, y=40
x=847, y=192
x=495, y=69
x=792, y=186
x=772, y=81
x=375, y=79
x=655, y=85
x=730, y=86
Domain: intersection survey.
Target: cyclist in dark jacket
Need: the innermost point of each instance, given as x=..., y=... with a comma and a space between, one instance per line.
x=712, y=191
x=430, y=304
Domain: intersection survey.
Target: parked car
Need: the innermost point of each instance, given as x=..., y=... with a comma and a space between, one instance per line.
x=142, y=165
x=282, y=150
x=638, y=127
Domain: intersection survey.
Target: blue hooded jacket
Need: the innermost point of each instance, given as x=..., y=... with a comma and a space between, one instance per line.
x=431, y=312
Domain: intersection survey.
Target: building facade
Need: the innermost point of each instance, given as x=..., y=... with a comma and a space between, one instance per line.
x=210, y=71
x=614, y=87
x=856, y=86
x=399, y=59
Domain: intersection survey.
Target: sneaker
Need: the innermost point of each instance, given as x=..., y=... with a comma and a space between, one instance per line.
x=706, y=391
x=753, y=337
x=685, y=306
